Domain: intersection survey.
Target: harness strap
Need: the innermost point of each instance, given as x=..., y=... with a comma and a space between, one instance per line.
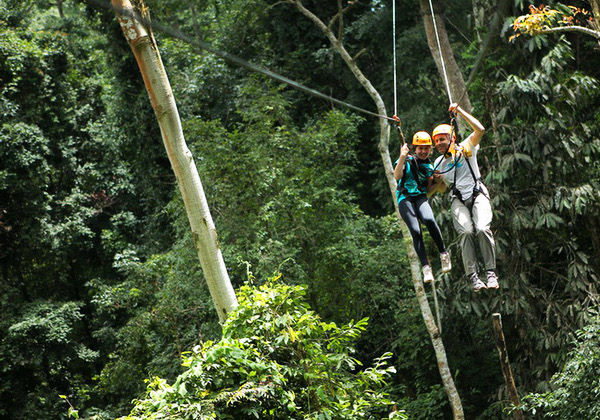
x=476, y=189
x=416, y=169
x=470, y=169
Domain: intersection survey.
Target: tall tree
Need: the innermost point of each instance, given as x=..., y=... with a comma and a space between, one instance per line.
x=337, y=43
x=139, y=36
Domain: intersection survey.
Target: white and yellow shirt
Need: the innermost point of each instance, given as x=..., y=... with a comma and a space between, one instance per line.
x=454, y=161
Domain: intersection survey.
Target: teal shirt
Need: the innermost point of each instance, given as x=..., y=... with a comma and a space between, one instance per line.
x=414, y=183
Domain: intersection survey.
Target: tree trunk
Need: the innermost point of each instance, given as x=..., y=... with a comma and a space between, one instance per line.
x=479, y=8
x=596, y=12
x=384, y=132
x=204, y=234
x=457, y=87
x=505, y=364
x=596, y=17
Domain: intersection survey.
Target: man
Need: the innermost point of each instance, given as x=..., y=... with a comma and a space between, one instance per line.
x=471, y=210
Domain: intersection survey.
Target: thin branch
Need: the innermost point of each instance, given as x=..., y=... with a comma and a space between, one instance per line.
x=458, y=30
x=341, y=12
x=587, y=31
x=358, y=54
x=540, y=266
x=278, y=3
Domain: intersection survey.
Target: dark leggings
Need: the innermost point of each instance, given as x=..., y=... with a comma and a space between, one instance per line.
x=413, y=210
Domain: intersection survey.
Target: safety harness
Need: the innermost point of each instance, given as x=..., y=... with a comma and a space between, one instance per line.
x=476, y=188
x=416, y=169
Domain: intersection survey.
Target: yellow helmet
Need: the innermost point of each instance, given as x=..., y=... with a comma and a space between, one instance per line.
x=421, y=138
x=442, y=129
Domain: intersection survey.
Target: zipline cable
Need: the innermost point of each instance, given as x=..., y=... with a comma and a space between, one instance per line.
x=437, y=37
x=397, y=121
x=253, y=67
x=232, y=58
x=394, y=55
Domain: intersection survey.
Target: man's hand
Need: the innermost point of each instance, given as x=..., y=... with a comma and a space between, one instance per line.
x=437, y=184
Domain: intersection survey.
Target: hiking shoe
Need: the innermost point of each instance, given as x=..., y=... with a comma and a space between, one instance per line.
x=477, y=284
x=446, y=264
x=427, y=274
x=492, y=279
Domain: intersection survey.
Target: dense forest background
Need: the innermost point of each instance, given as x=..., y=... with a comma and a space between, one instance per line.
x=100, y=286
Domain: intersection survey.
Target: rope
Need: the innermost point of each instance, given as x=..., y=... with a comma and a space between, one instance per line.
x=233, y=58
x=394, y=50
x=437, y=37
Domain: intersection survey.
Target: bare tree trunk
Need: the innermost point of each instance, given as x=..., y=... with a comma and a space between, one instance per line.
x=456, y=82
x=505, y=364
x=159, y=90
x=384, y=133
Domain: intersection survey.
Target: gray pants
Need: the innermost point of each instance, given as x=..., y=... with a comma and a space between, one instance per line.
x=475, y=224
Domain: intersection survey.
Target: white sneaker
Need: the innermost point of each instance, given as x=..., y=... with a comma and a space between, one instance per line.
x=492, y=279
x=477, y=284
x=446, y=264
x=427, y=274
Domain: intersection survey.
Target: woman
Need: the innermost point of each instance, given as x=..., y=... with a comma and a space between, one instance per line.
x=414, y=175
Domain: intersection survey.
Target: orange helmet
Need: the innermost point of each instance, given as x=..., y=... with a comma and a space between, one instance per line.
x=442, y=129
x=421, y=138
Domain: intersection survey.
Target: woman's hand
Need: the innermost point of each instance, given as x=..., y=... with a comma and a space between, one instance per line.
x=404, y=151
x=453, y=107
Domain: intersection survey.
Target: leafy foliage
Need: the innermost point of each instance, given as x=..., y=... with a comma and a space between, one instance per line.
x=539, y=18
x=544, y=17
x=96, y=261
x=280, y=176
x=65, y=210
x=576, y=387
x=550, y=203
x=277, y=360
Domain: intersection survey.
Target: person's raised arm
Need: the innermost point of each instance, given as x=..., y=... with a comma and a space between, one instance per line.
x=478, y=128
x=399, y=169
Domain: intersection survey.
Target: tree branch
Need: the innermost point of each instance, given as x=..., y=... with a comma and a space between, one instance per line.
x=358, y=54
x=434, y=333
x=587, y=31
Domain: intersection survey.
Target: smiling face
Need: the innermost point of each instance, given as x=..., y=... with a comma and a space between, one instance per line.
x=423, y=152
x=441, y=142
